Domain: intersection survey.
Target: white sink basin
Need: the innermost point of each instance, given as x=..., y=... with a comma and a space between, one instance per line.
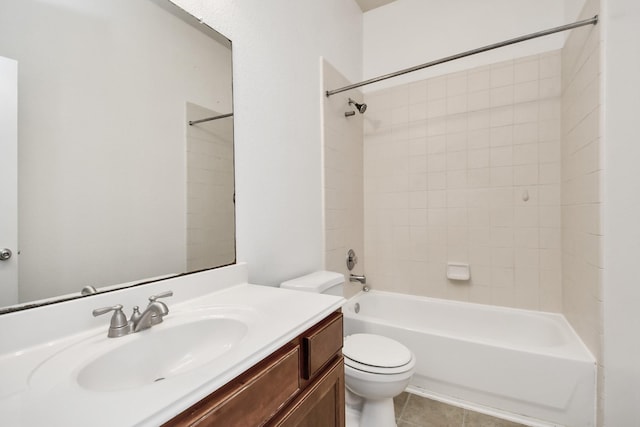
x=180, y=345
x=161, y=354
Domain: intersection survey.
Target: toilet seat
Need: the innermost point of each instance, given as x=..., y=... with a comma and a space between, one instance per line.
x=376, y=354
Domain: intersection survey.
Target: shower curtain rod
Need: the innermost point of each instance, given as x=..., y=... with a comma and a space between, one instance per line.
x=590, y=21
x=208, y=119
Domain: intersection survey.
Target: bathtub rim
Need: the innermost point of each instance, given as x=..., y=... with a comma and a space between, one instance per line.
x=584, y=356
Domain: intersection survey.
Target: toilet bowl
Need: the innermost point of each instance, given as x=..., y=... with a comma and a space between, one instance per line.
x=377, y=369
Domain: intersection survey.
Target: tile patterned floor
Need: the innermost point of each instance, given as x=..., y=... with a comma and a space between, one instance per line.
x=416, y=411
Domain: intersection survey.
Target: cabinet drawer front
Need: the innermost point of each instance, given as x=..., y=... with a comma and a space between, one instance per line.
x=320, y=405
x=258, y=396
x=321, y=344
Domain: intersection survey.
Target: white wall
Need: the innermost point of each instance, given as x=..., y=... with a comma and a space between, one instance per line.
x=411, y=32
x=276, y=48
x=621, y=61
x=572, y=9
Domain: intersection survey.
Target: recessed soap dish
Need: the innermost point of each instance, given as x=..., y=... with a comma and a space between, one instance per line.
x=458, y=271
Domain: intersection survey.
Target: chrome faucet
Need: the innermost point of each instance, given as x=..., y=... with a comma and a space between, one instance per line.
x=152, y=315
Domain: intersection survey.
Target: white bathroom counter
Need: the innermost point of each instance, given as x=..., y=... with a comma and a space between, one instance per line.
x=39, y=384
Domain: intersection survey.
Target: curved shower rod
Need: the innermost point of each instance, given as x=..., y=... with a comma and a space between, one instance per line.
x=590, y=21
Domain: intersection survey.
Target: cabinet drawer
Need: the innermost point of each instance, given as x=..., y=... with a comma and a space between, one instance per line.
x=320, y=344
x=252, y=399
x=320, y=405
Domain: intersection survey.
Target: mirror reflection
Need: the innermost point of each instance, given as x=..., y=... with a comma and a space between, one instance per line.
x=113, y=185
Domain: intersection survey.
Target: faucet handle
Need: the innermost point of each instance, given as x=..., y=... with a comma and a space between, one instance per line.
x=119, y=325
x=104, y=310
x=152, y=298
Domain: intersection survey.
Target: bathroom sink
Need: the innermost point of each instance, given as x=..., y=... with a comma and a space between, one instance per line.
x=180, y=345
x=161, y=354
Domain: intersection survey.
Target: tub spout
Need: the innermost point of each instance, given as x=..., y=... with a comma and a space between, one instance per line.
x=356, y=278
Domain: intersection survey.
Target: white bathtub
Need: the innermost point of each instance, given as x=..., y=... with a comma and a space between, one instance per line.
x=526, y=366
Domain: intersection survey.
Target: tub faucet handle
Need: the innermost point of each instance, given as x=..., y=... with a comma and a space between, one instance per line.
x=352, y=259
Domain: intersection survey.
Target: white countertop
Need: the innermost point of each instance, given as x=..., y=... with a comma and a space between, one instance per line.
x=33, y=396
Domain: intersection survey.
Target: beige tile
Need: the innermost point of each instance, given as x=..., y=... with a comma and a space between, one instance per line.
x=502, y=116
x=501, y=136
x=457, y=84
x=525, y=154
x=526, y=71
x=525, y=133
x=478, y=178
x=456, y=141
x=418, y=112
x=479, y=79
x=479, y=120
x=437, y=88
x=550, y=65
x=526, y=92
x=501, y=96
x=429, y=413
x=437, y=108
x=501, y=156
x=502, y=75
x=457, y=104
x=479, y=100
x=479, y=138
x=418, y=92
x=502, y=176
x=526, y=112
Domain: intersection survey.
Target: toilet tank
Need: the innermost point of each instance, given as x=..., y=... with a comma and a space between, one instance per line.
x=320, y=282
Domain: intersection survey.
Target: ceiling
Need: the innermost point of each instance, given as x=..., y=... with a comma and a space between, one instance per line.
x=366, y=5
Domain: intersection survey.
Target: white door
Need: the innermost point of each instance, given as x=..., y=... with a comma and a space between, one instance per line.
x=8, y=181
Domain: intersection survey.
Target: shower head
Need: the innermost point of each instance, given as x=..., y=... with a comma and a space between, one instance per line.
x=361, y=107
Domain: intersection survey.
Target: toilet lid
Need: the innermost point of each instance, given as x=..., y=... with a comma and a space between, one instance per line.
x=376, y=350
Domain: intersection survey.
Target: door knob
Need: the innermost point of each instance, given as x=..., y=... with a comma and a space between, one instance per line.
x=5, y=254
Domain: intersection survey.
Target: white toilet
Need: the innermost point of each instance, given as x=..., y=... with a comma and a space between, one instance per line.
x=376, y=368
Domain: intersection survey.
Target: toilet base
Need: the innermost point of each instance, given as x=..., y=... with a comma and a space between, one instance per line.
x=369, y=412
x=352, y=417
x=378, y=413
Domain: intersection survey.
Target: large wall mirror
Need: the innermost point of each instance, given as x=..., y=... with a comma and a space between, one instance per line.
x=111, y=183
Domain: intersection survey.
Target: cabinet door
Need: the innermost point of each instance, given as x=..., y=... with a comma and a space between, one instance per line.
x=321, y=405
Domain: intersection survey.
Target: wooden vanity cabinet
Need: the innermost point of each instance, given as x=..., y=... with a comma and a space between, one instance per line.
x=300, y=384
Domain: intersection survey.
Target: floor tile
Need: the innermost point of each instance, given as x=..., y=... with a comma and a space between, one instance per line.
x=475, y=419
x=430, y=413
x=416, y=411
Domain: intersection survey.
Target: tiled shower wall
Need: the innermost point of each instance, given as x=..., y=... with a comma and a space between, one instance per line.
x=582, y=234
x=466, y=168
x=343, y=178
